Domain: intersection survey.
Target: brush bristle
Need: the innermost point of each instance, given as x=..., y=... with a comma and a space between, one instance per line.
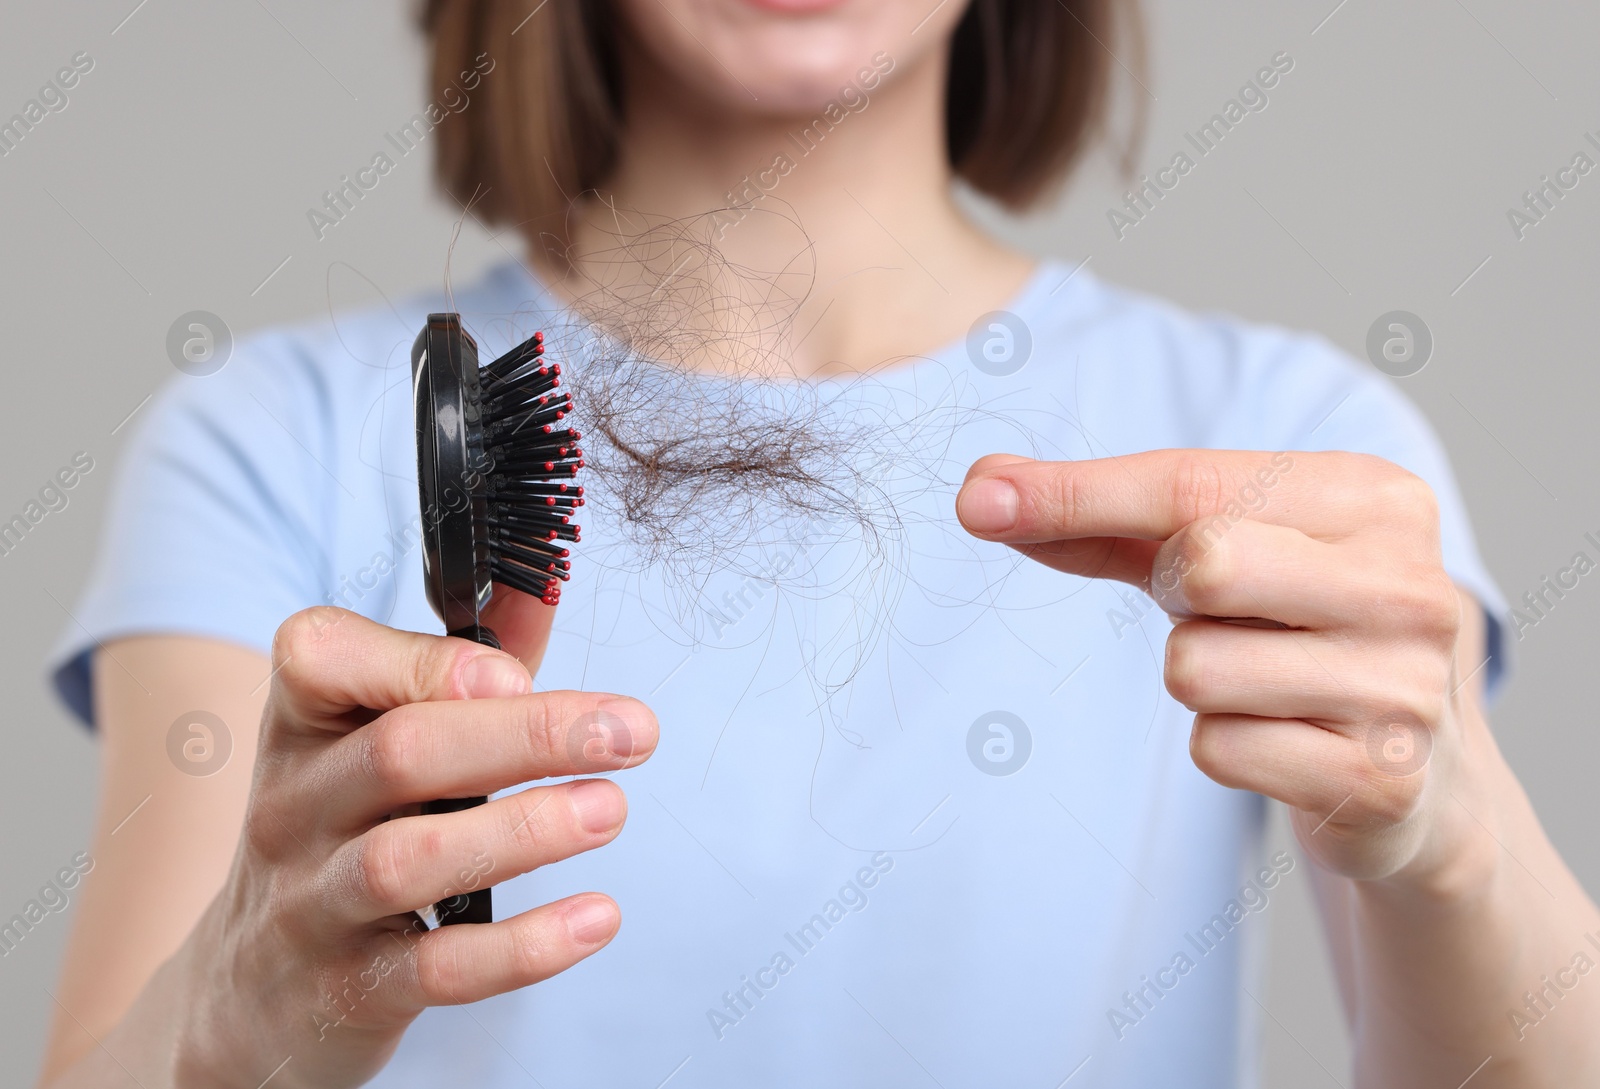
x=532, y=458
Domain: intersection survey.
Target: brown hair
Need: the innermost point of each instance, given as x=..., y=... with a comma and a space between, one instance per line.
x=1029, y=89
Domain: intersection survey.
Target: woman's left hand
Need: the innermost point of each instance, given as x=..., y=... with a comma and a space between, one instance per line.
x=1315, y=628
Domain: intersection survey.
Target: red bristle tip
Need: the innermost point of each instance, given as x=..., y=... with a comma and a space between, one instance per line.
x=576, y=434
x=549, y=500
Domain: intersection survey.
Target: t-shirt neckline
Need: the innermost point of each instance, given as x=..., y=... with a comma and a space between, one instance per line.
x=1042, y=288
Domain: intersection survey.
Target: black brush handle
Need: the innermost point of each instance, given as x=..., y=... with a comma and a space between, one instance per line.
x=476, y=906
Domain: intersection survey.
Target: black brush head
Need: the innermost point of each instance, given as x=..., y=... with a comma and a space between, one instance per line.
x=495, y=468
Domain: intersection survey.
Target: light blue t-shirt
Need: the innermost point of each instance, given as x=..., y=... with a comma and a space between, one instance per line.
x=922, y=812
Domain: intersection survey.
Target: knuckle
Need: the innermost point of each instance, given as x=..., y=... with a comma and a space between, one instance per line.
x=541, y=728
x=1424, y=698
x=1407, y=497
x=1210, y=571
x=1441, y=615
x=528, y=833
x=1427, y=605
x=1360, y=467
x=1197, y=488
x=381, y=866
x=301, y=638
x=1430, y=703
x=531, y=953
x=441, y=974
x=261, y=831
x=1184, y=670
x=1206, y=747
x=1390, y=801
x=394, y=752
x=429, y=664
x=1067, y=494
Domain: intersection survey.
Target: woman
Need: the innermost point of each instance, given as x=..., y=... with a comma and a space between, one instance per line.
x=931, y=818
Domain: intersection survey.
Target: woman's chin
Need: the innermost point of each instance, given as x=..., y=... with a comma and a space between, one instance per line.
x=783, y=57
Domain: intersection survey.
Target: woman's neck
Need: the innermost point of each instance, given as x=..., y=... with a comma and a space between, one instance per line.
x=844, y=217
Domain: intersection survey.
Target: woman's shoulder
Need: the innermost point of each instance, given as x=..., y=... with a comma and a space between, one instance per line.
x=364, y=340
x=1215, y=378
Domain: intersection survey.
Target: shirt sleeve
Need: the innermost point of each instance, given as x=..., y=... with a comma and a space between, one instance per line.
x=1316, y=397
x=218, y=517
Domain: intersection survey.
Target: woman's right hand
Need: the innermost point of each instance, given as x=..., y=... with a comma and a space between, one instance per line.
x=309, y=961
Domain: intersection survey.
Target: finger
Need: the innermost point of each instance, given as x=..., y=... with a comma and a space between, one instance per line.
x=522, y=624
x=1152, y=495
x=406, y=864
x=458, y=964
x=1221, y=668
x=1308, y=768
x=329, y=662
x=1121, y=558
x=1254, y=569
x=471, y=749
x=1299, y=764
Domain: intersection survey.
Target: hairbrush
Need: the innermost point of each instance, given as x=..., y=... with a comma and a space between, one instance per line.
x=494, y=470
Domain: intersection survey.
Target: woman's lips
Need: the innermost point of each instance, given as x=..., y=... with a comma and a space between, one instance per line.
x=795, y=7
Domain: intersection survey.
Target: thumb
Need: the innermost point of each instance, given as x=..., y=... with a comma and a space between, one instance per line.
x=522, y=624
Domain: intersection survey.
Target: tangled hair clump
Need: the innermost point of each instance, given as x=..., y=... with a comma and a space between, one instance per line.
x=695, y=427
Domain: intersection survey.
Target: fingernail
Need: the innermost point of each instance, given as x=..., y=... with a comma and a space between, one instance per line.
x=630, y=726
x=598, y=804
x=988, y=506
x=591, y=922
x=493, y=675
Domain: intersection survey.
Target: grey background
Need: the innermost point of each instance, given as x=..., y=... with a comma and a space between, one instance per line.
x=1378, y=179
